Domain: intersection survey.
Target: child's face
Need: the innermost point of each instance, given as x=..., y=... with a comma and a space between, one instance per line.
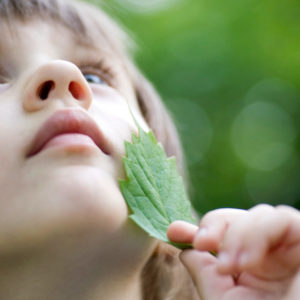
x=62, y=138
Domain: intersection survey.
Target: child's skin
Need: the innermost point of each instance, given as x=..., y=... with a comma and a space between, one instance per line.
x=257, y=253
x=64, y=229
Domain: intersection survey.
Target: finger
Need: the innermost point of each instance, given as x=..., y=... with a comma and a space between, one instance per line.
x=213, y=227
x=202, y=267
x=181, y=232
x=250, y=238
x=245, y=240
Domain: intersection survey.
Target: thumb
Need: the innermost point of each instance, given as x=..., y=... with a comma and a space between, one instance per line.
x=202, y=267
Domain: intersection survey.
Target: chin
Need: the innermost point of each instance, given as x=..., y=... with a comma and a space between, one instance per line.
x=62, y=205
x=91, y=196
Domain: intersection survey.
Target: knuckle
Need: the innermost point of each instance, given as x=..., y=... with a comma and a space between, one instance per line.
x=262, y=208
x=288, y=211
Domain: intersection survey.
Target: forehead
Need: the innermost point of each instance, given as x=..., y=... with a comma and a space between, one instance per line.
x=82, y=24
x=47, y=36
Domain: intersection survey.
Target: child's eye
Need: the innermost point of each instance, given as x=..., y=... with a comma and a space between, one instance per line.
x=3, y=80
x=3, y=86
x=93, y=78
x=4, y=83
x=97, y=72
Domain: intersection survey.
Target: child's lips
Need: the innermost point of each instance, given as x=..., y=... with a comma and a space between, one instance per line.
x=74, y=140
x=68, y=128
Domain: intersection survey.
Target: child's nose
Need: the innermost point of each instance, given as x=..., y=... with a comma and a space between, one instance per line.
x=60, y=81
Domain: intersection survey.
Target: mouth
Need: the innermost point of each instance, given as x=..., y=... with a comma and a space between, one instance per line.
x=68, y=127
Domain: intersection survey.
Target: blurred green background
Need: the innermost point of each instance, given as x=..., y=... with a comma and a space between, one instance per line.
x=229, y=71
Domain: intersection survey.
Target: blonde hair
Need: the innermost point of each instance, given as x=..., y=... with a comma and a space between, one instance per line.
x=163, y=277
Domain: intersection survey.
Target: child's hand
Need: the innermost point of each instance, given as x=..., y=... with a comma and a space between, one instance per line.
x=258, y=253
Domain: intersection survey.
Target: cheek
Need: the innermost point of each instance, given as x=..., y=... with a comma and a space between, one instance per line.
x=13, y=137
x=110, y=105
x=112, y=102
x=113, y=115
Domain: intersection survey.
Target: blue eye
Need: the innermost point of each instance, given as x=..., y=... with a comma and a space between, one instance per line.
x=95, y=79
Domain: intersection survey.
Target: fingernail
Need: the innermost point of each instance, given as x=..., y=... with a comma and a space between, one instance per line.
x=201, y=233
x=223, y=258
x=243, y=258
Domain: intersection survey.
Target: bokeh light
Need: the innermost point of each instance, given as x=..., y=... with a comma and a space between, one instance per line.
x=263, y=136
x=281, y=186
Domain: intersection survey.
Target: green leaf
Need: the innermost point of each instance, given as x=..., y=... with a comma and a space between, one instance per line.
x=153, y=189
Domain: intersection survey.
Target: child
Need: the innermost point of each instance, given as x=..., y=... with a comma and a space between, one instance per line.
x=66, y=86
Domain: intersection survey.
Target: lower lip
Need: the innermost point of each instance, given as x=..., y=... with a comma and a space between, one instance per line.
x=70, y=140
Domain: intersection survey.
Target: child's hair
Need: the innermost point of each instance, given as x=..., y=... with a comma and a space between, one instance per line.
x=163, y=277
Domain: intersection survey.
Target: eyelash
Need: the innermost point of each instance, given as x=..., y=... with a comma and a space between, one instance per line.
x=99, y=68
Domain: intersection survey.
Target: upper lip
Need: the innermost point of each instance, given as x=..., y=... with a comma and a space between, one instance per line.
x=68, y=121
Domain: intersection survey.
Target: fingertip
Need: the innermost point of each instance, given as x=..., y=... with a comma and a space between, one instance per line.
x=187, y=257
x=202, y=267
x=228, y=263
x=181, y=232
x=243, y=259
x=205, y=240
x=250, y=259
x=200, y=238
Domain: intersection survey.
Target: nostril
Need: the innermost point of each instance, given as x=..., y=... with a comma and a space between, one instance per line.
x=76, y=90
x=44, y=89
